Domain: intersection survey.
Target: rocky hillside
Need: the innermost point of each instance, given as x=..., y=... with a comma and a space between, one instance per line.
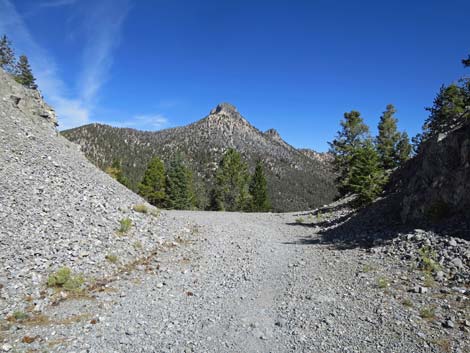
x=436, y=183
x=295, y=180
x=56, y=208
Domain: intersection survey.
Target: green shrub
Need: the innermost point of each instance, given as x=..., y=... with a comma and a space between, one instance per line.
x=137, y=245
x=427, y=260
x=126, y=224
x=112, y=258
x=141, y=208
x=408, y=303
x=20, y=315
x=382, y=283
x=65, y=279
x=299, y=220
x=428, y=313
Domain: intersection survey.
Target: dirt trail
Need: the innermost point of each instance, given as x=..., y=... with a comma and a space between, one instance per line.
x=244, y=283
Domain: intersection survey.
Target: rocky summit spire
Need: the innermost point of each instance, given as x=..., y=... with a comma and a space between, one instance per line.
x=225, y=108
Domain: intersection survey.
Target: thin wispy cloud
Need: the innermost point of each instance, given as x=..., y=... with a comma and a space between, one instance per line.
x=101, y=33
x=142, y=122
x=57, y=3
x=156, y=121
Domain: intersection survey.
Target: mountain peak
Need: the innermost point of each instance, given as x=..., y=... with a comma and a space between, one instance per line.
x=225, y=108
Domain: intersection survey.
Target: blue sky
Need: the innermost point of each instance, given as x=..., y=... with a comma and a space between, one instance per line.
x=296, y=66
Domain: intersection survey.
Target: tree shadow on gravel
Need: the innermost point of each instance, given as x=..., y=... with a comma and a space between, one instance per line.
x=374, y=226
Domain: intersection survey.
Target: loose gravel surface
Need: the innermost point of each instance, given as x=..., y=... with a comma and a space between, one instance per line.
x=234, y=282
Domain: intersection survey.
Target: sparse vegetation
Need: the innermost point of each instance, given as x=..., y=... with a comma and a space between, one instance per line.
x=126, y=224
x=137, y=245
x=299, y=220
x=112, y=258
x=20, y=316
x=428, y=313
x=367, y=268
x=429, y=280
x=383, y=283
x=408, y=303
x=64, y=278
x=141, y=208
x=428, y=261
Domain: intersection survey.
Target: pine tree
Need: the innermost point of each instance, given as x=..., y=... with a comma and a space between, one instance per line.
x=366, y=176
x=404, y=148
x=451, y=108
x=259, y=191
x=115, y=171
x=215, y=199
x=152, y=186
x=178, y=188
x=7, y=56
x=231, y=190
x=24, y=74
x=466, y=62
x=391, y=144
x=351, y=137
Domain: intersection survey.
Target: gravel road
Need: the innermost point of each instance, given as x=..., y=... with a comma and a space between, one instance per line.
x=236, y=282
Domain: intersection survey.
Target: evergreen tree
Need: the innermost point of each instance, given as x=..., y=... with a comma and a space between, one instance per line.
x=449, y=110
x=366, y=176
x=351, y=137
x=231, y=190
x=215, y=200
x=259, y=191
x=466, y=62
x=152, y=186
x=404, y=148
x=115, y=171
x=7, y=56
x=178, y=188
x=24, y=75
x=391, y=144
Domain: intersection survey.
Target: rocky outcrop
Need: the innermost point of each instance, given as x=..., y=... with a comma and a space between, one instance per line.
x=325, y=158
x=28, y=101
x=295, y=181
x=436, y=183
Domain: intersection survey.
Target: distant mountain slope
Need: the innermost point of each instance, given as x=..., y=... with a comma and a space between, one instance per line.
x=296, y=181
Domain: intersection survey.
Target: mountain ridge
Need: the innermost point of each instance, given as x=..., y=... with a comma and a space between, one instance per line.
x=202, y=143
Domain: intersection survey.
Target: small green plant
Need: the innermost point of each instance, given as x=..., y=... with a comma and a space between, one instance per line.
x=319, y=216
x=112, y=258
x=20, y=315
x=408, y=303
x=367, y=268
x=382, y=283
x=429, y=280
x=65, y=279
x=126, y=224
x=427, y=260
x=428, y=313
x=299, y=220
x=137, y=245
x=141, y=208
